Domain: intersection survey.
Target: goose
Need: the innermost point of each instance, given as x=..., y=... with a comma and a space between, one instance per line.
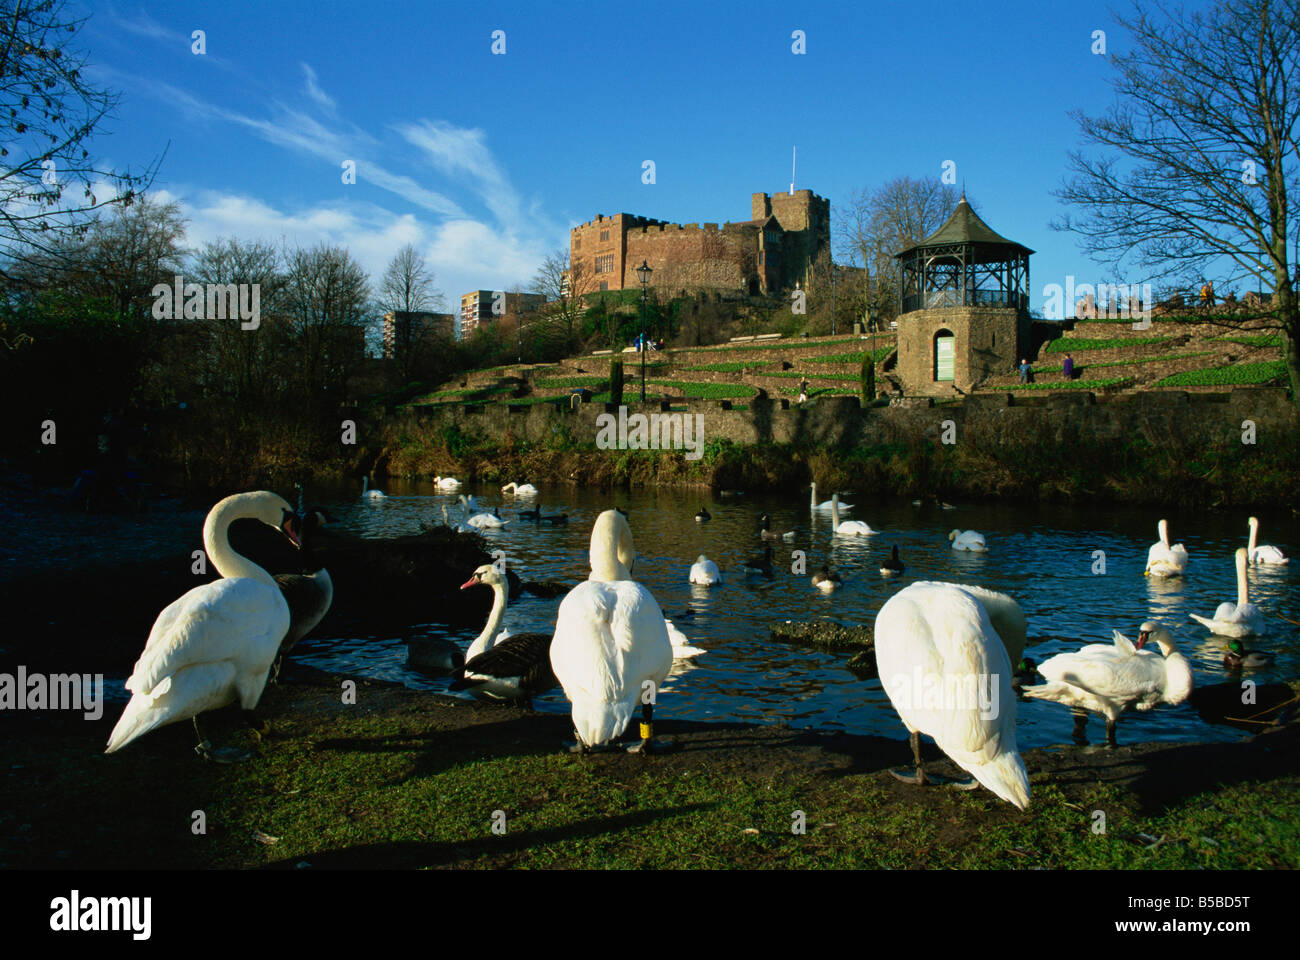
x=481, y=520
x=893, y=566
x=309, y=595
x=1164, y=560
x=970, y=540
x=520, y=490
x=848, y=528
x=1240, y=619
x=1262, y=553
x=826, y=505
x=703, y=516
x=533, y=515
x=760, y=565
x=215, y=644
x=768, y=534
x=556, y=519
x=825, y=581
x=458, y=527
x=1109, y=678
x=446, y=483
x=611, y=649
x=705, y=572
x=514, y=667
x=367, y=492
x=938, y=640
x=1238, y=657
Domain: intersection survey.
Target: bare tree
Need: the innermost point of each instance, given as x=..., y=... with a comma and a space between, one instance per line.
x=564, y=283
x=327, y=299
x=49, y=182
x=879, y=223
x=405, y=292
x=1198, y=153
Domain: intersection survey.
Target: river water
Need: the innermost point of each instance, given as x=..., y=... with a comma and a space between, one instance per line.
x=1043, y=556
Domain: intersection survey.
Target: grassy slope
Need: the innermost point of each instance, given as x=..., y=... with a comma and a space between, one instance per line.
x=405, y=779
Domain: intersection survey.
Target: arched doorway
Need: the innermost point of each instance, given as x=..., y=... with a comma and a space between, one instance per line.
x=945, y=356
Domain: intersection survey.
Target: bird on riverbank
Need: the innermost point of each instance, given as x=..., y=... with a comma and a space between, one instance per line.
x=969, y=540
x=368, y=492
x=1262, y=553
x=520, y=490
x=1109, y=678
x=1237, y=657
x=942, y=633
x=703, y=516
x=893, y=567
x=611, y=644
x=1164, y=560
x=761, y=565
x=847, y=528
x=309, y=595
x=216, y=643
x=826, y=505
x=1240, y=619
x=826, y=581
x=705, y=572
x=767, y=533
x=515, y=668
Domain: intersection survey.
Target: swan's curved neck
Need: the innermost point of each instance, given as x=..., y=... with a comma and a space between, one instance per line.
x=1243, y=589
x=1254, y=536
x=609, y=554
x=1164, y=533
x=812, y=499
x=835, y=513
x=216, y=541
x=484, y=639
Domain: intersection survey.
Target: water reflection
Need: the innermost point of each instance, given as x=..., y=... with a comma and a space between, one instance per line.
x=1046, y=557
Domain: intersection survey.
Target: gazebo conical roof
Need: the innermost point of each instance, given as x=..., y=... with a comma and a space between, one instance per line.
x=965, y=228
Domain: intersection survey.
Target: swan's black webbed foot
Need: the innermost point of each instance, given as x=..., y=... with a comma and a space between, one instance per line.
x=917, y=777
x=652, y=747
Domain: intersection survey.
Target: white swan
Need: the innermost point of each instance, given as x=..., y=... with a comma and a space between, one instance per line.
x=947, y=672
x=514, y=666
x=611, y=649
x=705, y=572
x=814, y=505
x=1108, y=678
x=446, y=483
x=520, y=490
x=849, y=528
x=216, y=643
x=682, y=649
x=481, y=520
x=971, y=540
x=1264, y=553
x=1164, y=560
x=367, y=493
x=458, y=527
x=1240, y=619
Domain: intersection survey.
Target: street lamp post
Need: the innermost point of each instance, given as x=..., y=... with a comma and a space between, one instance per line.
x=644, y=271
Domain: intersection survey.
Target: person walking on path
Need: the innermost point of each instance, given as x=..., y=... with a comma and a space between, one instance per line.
x=1068, y=368
x=1026, y=372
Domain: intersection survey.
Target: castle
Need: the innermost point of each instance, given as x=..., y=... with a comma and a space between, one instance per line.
x=771, y=252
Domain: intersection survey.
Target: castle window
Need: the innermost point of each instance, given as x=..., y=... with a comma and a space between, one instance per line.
x=604, y=284
x=760, y=258
x=604, y=236
x=605, y=264
x=577, y=243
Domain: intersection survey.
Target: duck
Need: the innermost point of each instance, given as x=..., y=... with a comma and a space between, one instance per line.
x=703, y=516
x=1237, y=657
x=368, y=492
x=520, y=490
x=705, y=572
x=892, y=567
x=515, y=667
x=1263, y=553
x=1164, y=560
x=446, y=483
x=761, y=565
x=826, y=505
x=482, y=520
x=943, y=633
x=970, y=540
x=309, y=595
x=1240, y=619
x=215, y=644
x=767, y=533
x=825, y=581
x=1109, y=678
x=847, y=528
x=611, y=648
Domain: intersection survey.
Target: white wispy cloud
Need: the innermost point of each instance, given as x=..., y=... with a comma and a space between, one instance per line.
x=314, y=91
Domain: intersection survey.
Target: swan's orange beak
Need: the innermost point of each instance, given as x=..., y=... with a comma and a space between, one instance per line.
x=1142, y=639
x=290, y=529
x=472, y=581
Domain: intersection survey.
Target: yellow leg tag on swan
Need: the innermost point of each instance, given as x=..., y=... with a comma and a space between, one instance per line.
x=647, y=731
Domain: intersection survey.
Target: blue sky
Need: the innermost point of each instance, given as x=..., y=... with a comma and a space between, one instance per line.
x=484, y=161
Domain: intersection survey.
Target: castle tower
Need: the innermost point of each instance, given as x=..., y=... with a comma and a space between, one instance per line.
x=965, y=306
